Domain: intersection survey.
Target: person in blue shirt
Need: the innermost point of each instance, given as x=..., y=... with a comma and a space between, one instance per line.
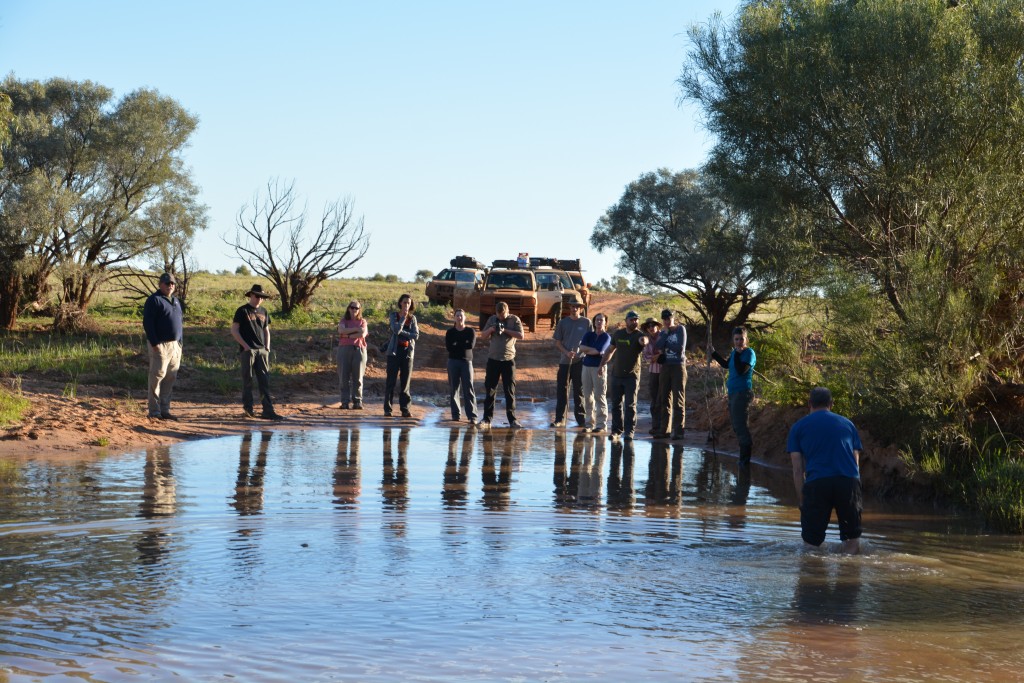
x=740, y=387
x=825, y=450
x=671, y=345
x=162, y=322
x=596, y=347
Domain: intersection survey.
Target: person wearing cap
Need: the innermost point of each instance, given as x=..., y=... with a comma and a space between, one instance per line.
x=162, y=322
x=624, y=382
x=652, y=328
x=251, y=329
x=739, y=384
x=672, y=383
x=568, y=334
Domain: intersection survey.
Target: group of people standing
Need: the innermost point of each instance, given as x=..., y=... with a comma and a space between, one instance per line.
x=824, y=447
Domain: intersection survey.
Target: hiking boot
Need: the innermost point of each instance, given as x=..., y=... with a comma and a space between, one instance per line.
x=271, y=416
x=249, y=414
x=557, y=424
x=168, y=416
x=678, y=434
x=514, y=424
x=387, y=412
x=357, y=405
x=406, y=413
x=343, y=406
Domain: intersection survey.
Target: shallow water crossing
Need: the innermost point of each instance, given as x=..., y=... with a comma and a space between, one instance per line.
x=431, y=554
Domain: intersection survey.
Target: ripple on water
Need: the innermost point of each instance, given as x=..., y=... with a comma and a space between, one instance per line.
x=437, y=554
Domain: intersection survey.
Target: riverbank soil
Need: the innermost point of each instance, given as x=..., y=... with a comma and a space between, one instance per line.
x=107, y=419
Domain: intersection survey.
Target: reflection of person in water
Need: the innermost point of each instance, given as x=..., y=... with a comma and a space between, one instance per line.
x=827, y=590
x=248, y=498
x=497, y=481
x=159, y=499
x=395, y=482
x=456, y=469
x=620, y=477
x=591, y=473
x=347, y=484
x=664, y=476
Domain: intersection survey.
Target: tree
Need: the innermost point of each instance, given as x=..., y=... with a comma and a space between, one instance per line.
x=892, y=130
x=243, y=270
x=272, y=239
x=424, y=275
x=673, y=230
x=80, y=176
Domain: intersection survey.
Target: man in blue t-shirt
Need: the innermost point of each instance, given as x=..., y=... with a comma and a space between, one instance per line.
x=825, y=450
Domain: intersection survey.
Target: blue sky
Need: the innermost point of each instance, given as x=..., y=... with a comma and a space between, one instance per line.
x=482, y=128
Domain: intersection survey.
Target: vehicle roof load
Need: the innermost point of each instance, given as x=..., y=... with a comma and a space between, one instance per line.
x=504, y=263
x=560, y=263
x=466, y=262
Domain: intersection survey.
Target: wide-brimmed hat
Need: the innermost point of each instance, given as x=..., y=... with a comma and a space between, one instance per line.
x=649, y=323
x=576, y=304
x=258, y=291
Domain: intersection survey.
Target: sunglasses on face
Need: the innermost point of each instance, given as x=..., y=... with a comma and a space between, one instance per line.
x=353, y=308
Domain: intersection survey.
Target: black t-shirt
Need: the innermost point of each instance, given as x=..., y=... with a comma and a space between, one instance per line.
x=460, y=343
x=252, y=325
x=626, y=361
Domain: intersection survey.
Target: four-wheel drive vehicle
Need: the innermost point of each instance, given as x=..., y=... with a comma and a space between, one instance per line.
x=516, y=287
x=574, y=270
x=441, y=288
x=549, y=282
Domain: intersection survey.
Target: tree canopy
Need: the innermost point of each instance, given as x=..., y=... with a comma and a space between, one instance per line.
x=675, y=231
x=892, y=131
x=87, y=185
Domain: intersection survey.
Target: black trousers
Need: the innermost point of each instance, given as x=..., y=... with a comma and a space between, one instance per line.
x=505, y=370
x=569, y=373
x=399, y=369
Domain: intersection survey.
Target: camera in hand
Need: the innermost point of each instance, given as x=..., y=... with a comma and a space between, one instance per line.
x=499, y=328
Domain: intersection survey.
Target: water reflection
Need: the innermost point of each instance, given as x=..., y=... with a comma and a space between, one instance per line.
x=497, y=477
x=455, y=491
x=118, y=568
x=347, y=483
x=664, y=477
x=620, y=477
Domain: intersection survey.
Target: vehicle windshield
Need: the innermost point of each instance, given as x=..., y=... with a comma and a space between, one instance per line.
x=565, y=280
x=463, y=276
x=443, y=275
x=509, y=281
x=577, y=279
x=545, y=279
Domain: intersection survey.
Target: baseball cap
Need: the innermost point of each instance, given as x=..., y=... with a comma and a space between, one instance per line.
x=632, y=314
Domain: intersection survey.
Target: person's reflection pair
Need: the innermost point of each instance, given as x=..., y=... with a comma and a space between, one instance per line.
x=620, y=476
x=664, y=475
x=248, y=498
x=347, y=482
x=456, y=469
x=497, y=480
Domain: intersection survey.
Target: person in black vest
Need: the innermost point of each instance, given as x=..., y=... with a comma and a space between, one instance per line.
x=460, y=340
x=251, y=329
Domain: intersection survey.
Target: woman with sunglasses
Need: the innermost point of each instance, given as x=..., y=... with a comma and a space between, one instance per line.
x=352, y=356
x=401, y=345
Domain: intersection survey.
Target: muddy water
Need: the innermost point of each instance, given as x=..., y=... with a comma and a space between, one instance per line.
x=444, y=554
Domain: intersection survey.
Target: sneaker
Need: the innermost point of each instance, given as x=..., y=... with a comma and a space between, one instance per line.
x=485, y=423
x=628, y=436
x=585, y=430
x=358, y=405
x=557, y=424
x=154, y=416
x=406, y=413
x=249, y=414
x=616, y=432
x=514, y=424
x=168, y=416
x=343, y=406
x=271, y=416
x=387, y=413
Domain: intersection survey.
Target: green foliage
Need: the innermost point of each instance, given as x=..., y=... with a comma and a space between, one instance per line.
x=12, y=406
x=679, y=232
x=243, y=270
x=424, y=275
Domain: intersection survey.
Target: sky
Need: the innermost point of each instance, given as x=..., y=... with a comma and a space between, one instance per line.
x=480, y=128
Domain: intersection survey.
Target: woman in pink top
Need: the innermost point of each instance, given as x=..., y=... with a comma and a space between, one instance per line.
x=651, y=328
x=352, y=356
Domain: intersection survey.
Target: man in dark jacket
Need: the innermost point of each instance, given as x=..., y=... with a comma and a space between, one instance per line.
x=162, y=322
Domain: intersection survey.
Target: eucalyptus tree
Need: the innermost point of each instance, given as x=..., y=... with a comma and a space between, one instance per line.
x=273, y=238
x=893, y=130
x=89, y=169
x=677, y=232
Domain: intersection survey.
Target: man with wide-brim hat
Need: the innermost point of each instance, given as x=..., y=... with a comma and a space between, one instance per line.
x=251, y=329
x=652, y=328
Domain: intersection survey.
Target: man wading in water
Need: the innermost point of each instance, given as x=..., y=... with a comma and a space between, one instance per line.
x=825, y=450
